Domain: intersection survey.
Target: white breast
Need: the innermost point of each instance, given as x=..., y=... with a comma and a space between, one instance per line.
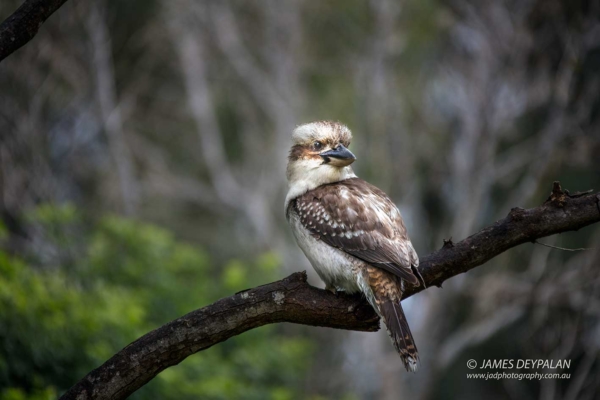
x=334, y=267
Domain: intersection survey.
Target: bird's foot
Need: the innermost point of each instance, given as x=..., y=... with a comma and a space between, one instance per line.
x=332, y=289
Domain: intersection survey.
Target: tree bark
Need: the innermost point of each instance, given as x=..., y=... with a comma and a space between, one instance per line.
x=289, y=300
x=293, y=300
x=561, y=212
x=23, y=24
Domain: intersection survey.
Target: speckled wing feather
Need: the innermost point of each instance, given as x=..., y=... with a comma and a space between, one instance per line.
x=359, y=219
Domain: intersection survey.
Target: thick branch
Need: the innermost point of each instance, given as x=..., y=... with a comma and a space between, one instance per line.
x=23, y=24
x=294, y=300
x=289, y=300
x=562, y=212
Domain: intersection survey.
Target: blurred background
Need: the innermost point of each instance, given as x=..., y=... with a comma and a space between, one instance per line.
x=143, y=146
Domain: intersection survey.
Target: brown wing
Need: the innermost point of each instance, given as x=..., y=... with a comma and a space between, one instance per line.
x=361, y=220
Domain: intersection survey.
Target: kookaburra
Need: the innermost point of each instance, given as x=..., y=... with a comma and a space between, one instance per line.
x=351, y=232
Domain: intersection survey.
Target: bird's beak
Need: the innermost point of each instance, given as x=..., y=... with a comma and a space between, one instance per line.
x=339, y=157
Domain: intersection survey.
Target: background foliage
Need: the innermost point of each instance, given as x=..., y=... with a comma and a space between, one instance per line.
x=60, y=321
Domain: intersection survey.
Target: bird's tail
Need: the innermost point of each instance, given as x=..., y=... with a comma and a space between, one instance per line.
x=384, y=292
x=402, y=338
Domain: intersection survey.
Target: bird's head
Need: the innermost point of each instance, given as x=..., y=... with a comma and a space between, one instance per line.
x=319, y=155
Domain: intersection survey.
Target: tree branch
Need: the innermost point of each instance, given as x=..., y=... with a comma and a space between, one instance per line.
x=294, y=300
x=561, y=212
x=289, y=300
x=23, y=24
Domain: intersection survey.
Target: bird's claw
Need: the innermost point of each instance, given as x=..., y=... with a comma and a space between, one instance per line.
x=333, y=290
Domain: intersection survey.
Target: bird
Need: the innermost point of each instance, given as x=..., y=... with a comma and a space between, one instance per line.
x=350, y=231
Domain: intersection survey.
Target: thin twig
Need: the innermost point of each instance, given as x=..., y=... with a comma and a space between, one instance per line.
x=561, y=248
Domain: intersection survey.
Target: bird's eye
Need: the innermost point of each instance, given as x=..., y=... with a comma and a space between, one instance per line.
x=317, y=145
